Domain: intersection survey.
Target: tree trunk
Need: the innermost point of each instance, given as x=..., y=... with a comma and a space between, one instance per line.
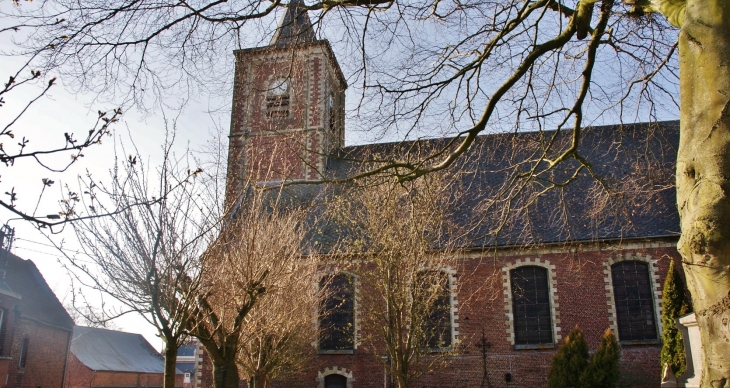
x=225, y=374
x=258, y=382
x=703, y=177
x=402, y=382
x=170, y=360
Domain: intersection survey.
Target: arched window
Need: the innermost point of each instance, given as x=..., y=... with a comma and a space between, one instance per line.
x=436, y=292
x=531, y=306
x=634, y=303
x=277, y=98
x=335, y=381
x=337, y=319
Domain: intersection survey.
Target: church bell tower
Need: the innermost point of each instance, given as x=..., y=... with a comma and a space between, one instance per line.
x=288, y=106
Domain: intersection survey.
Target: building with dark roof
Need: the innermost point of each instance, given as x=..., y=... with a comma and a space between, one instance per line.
x=189, y=362
x=586, y=244
x=109, y=358
x=35, y=329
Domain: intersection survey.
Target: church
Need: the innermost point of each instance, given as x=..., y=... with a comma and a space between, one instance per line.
x=589, y=259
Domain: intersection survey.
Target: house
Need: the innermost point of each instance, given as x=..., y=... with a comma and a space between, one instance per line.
x=593, y=253
x=189, y=362
x=35, y=329
x=108, y=358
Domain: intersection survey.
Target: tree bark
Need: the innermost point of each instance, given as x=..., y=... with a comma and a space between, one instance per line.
x=703, y=177
x=170, y=360
x=258, y=382
x=225, y=374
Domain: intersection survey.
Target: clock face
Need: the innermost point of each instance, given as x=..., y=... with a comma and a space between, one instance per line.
x=279, y=86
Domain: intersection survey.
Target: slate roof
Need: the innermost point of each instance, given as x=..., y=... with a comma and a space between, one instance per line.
x=187, y=350
x=37, y=300
x=115, y=351
x=294, y=26
x=634, y=199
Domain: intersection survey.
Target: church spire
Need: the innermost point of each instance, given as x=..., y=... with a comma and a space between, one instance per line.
x=295, y=26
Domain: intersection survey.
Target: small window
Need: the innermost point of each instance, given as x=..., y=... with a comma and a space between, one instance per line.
x=23, y=352
x=634, y=302
x=331, y=110
x=437, y=322
x=277, y=98
x=531, y=306
x=335, y=381
x=337, y=322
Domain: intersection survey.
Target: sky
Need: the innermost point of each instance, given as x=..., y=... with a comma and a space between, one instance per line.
x=44, y=125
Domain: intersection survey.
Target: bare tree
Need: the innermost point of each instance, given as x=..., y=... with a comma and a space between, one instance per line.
x=17, y=142
x=84, y=313
x=280, y=328
x=147, y=257
x=259, y=253
x=18, y=148
x=402, y=237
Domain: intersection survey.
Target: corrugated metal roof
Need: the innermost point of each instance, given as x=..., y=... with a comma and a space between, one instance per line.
x=109, y=350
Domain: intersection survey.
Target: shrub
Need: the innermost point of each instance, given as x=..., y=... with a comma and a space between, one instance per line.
x=674, y=305
x=569, y=361
x=603, y=369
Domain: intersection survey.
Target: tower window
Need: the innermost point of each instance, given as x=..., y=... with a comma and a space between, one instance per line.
x=634, y=303
x=277, y=98
x=337, y=323
x=531, y=306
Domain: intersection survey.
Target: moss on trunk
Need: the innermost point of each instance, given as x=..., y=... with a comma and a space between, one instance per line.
x=703, y=177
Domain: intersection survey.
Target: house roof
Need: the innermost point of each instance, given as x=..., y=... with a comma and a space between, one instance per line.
x=630, y=195
x=36, y=300
x=187, y=349
x=186, y=367
x=115, y=351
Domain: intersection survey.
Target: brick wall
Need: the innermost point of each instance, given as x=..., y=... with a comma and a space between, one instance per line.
x=46, y=355
x=285, y=148
x=582, y=300
x=7, y=304
x=79, y=376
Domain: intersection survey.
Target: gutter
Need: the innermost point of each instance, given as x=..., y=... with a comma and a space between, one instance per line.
x=569, y=242
x=484, y=248
x=65, y=360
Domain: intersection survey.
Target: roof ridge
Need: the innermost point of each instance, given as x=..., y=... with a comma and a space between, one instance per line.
x=526, y=133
